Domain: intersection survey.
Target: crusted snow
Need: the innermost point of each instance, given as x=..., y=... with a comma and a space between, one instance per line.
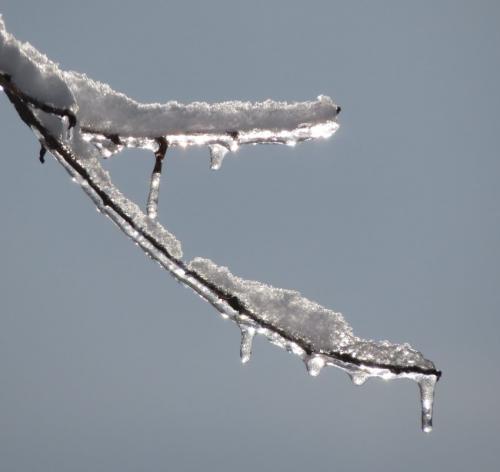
x=103, y=112
x=107, y=111
x=323, y=330
x=33, y=72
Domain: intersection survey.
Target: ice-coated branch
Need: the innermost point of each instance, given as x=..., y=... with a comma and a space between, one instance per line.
x=154, y=184
x=105, y=122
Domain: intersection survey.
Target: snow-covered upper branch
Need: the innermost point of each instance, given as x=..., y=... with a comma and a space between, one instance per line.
x=112, y=120
x=103, y=122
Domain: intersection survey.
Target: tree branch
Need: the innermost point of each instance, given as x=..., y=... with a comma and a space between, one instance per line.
x=318, y=336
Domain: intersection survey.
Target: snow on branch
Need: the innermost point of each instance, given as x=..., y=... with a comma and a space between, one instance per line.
x=80, y=121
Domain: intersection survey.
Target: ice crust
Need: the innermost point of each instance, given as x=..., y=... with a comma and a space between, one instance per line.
x=107, y=111
x=317, y=335
x=33, y=72
x=103, y=112
x=322, y=330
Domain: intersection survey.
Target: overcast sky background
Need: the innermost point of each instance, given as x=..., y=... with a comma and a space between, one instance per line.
x=107, y=364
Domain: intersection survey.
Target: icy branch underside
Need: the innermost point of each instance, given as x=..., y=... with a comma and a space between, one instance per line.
x=81, y=122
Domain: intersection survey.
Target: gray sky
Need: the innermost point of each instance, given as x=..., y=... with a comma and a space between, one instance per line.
x=107, y=364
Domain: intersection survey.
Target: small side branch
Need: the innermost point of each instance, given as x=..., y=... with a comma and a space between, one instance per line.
x=154, y=186
x=41, y=156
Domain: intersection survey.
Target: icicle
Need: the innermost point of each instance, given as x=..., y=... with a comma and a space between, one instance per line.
x=217, y=153
x=314, y=364
x=426, y=384
x=154, y=186
x=154, y=194
x=247, y=335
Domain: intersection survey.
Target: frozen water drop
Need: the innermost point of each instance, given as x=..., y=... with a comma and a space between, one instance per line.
x=106, y=152
x=427, y=384
x=314, y=365
x=217, y=153
x=243, y=318
x=297, y=350
x=358, y=378
x=247, y=335
x=180, y=272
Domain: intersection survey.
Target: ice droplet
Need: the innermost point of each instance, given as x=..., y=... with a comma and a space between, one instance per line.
x=217, y=153
x=426, y=385
x=247, y=335
x=294, y=348
x=358, y=378
x=314, y=364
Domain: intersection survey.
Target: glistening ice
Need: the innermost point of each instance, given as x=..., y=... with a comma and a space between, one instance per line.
x=81, y=121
